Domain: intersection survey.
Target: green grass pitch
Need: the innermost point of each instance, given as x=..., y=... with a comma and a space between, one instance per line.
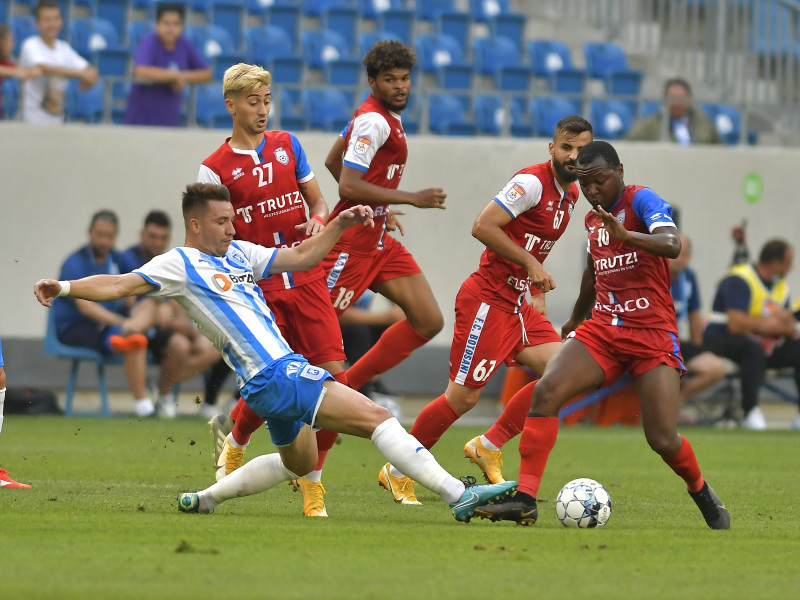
x=101, y=522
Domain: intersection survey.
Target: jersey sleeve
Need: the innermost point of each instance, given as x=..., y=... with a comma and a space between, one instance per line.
x=734, y=294
x=208, y=175
x=652, y=210
x=166, y=271
x=302, y=170
x=523, y=192
x=260, y=258
x=370, y=132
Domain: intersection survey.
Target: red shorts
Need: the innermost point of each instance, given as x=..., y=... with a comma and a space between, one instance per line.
x=485, y=336
x=624, y=349
x=307, y=321
x=349, y=275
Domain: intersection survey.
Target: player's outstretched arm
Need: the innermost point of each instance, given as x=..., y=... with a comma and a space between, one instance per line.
x=99, y=288
x=311, y=251
x=663, y=241
x=353, y=187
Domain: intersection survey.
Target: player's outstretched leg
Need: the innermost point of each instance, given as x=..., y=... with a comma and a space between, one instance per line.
x=479, y=495
x=714, y=511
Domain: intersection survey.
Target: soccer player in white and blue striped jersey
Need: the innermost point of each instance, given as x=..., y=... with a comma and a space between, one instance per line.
x=214, y=279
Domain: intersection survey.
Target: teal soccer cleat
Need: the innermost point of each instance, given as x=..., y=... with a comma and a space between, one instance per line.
x=479, y=495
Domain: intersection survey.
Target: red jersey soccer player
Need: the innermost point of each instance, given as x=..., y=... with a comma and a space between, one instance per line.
x=270, y=183
x=632, y=329
x=494, y=323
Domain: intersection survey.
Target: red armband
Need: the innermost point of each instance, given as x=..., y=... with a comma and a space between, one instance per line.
x=320, y=219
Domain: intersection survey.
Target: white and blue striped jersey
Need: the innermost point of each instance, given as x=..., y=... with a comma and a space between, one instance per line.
x=221, y=295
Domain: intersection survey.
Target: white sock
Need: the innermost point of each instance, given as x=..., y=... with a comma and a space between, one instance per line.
x=236, y=444
x=404, y=450
x=144, y=407
x=166, y=398
x=315, y=476
x=2, y=405
x=257, y=475
x=487, y=444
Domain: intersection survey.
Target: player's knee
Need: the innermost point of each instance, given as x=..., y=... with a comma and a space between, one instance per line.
x=546, y=399
x=663, y=442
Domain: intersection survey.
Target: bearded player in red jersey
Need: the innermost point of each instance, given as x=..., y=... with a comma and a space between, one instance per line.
x=632, y=329
x=271, y=187
x=494, y=323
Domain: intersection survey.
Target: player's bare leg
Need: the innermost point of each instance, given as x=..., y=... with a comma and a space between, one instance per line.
x=659, y=394
x=423, y=320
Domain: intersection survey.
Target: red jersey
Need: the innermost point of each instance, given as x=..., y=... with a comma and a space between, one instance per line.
x=633, y=285
x=265, y=194
x=376, y=145
x=540, y=212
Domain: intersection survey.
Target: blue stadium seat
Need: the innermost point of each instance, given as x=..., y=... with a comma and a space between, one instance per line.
x=399, y=22
x=522, y=124
x=5, y=10
x=611, y=119
x=315, y=8
x=84, y=105
x=344, y=72
x=367, y=39
x=119, y=101
x=547, y=111
x=10, y=105
x=264, y=43
x=649, y=107
x=457, y=25
x=509, y=25
x=727, y=120
x=483, y=10
x=117, y=12
x=500, y=57
x=552, y=60
x=286, y=16
x=257, y=7
x=436, y=50
x=210, y=111
x=428, y=10
x=771, y=28
x=76, y=354
x=23, y=27
x=89, y=35
x=326, y=109
x=448, y=115
x=289, y=116
x=323, y=45
x=455, y=77
x=114, y=62
x=228, y=14
x=490, y=114
x=371, y=9
x=136, y=31
x=609, y=62
x=287, y=70
x=216, y=45
x=343, y=20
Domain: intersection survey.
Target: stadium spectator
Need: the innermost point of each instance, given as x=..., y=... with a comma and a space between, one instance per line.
x=9, y=68
x=5, y=479
x=751, y=323
x=107, y=327
x=165, y=63
x=43, y=96
x=180, y=350
x=704, y=368
x=278, y=203
x=279, y=385
x=632, y=329
x=494, y=323
x=688, y=123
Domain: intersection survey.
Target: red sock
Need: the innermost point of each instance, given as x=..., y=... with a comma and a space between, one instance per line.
x=325, y=438
x=512, y=419
x=433, y=421
x=396, y=344
x=237, y=409
x=538, y=438
x=684, y=463
x=246, y=423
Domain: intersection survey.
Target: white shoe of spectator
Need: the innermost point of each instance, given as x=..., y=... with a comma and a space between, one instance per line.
x=144, y=407
x=167, y=407
x=755, y=420
x=208, y=411
x=796, y=422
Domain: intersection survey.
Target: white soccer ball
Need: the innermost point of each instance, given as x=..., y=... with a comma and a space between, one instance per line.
x=583, y=503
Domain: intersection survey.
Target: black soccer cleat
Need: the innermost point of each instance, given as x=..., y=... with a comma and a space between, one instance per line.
x=714, y=511
x=522, y=512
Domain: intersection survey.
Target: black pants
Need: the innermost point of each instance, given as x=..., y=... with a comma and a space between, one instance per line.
x=753, y=362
